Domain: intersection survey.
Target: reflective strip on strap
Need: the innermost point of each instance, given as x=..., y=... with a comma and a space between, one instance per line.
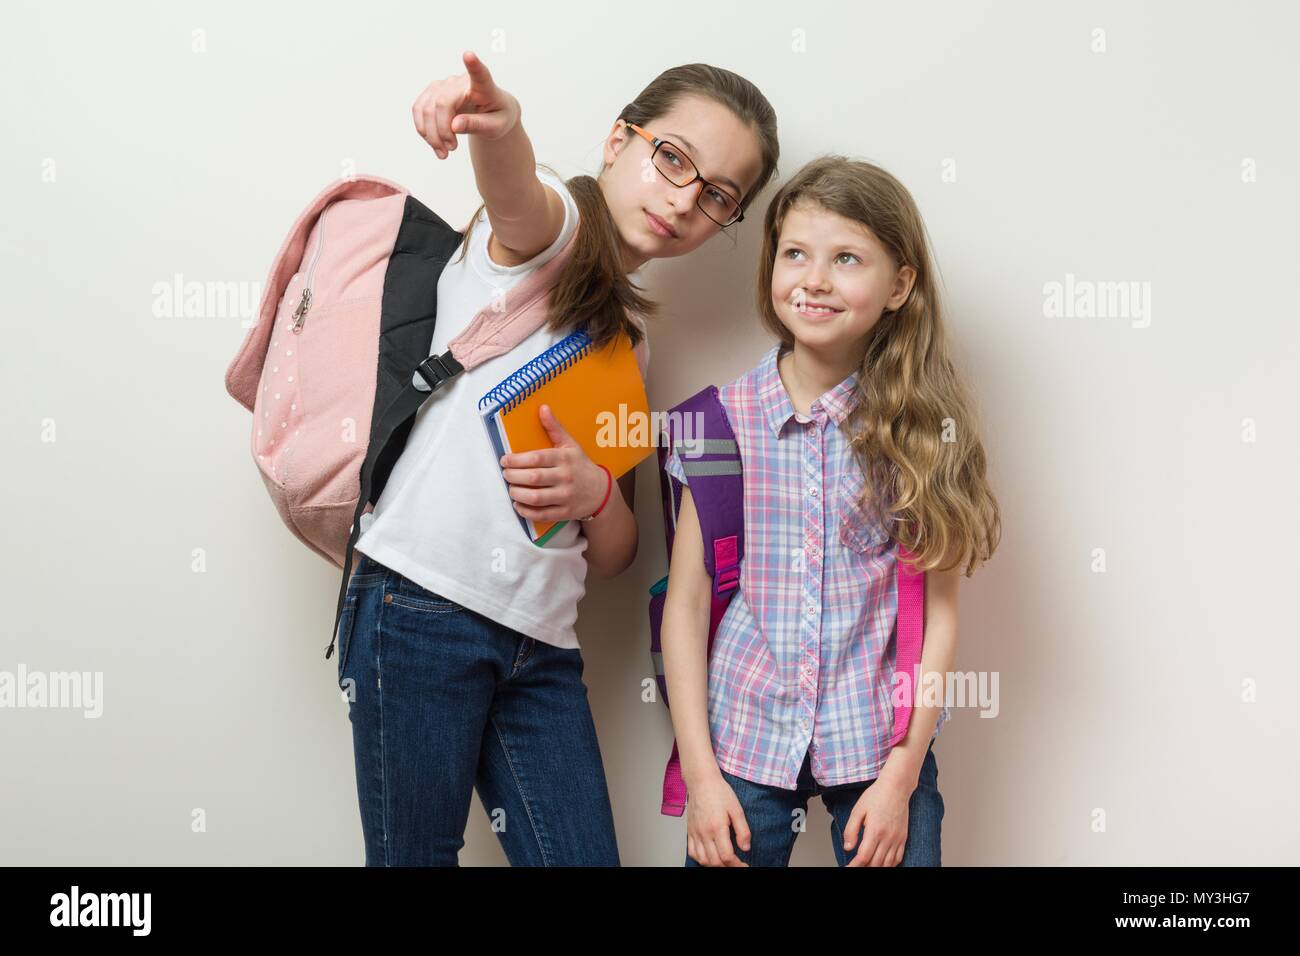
x=706, y=446
x=706, y=468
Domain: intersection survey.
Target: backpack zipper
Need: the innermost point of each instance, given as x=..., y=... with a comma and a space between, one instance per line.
x=300, y=313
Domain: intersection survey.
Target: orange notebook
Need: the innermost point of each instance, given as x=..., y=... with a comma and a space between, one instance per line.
x=597, y=395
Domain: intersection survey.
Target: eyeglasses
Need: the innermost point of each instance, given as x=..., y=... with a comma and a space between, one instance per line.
x=676, y=167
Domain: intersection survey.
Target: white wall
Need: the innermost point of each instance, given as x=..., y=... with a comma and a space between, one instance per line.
x=1154, y=695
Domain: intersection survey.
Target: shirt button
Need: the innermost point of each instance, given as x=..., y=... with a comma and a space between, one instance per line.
x=813, y=491
x=811, y=610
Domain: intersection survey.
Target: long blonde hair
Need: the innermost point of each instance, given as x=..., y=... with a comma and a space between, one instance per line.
x=914, y=430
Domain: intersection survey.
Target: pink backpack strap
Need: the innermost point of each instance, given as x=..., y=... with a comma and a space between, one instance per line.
x=911, y=635
x=492, y=333
x=673, y=803
x=499, y=326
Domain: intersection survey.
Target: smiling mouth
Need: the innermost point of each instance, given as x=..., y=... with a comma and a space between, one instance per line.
x=817, y=311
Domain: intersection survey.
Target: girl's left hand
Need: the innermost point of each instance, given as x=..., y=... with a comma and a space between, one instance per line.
x=555, y=484
x=881, y=815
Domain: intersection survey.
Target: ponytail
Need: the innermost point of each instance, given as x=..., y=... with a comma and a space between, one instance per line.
x=594, y=291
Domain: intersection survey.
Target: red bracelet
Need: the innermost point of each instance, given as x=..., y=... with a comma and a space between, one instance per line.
x=608, y=488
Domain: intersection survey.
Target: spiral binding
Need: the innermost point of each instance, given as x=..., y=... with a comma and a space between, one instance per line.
x=538, y=372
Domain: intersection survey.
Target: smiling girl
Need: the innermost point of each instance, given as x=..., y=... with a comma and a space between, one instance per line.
x=856, y=437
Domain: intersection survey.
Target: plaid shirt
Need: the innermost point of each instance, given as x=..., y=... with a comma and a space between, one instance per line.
x=803, y=656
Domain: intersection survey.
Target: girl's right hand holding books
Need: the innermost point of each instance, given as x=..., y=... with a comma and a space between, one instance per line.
x=469, y=103
x=711, y=813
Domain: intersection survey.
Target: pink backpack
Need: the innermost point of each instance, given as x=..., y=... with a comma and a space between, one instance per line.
x=337, y=361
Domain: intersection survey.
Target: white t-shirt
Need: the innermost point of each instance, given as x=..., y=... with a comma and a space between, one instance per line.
x=445, y=519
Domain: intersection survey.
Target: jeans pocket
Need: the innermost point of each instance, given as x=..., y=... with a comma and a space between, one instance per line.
x=406, y=593
x=344, y=636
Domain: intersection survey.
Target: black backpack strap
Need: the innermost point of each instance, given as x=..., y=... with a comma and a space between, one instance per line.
x=401, y=409
x=407, y=374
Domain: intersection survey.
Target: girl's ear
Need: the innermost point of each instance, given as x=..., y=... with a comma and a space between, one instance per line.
x=615, y=141
x=904, y=279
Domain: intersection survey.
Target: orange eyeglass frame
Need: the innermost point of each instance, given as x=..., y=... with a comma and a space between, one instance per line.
x=656, y=142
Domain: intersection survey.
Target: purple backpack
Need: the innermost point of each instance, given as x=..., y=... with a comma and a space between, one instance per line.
x=717, y=490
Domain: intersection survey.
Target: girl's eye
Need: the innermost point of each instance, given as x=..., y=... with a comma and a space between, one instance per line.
x=717, y=198
x=843, y=255
x=671, y=156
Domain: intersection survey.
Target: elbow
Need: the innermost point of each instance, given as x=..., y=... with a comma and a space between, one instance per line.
x=613, y=569
x=608, y=555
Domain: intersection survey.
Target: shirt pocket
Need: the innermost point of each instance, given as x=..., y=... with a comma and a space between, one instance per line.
x=862, y=530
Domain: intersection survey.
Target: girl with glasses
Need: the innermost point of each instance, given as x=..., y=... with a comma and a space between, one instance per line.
x=462, y=652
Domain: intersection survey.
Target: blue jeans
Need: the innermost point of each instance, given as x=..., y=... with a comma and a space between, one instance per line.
x=443, y=701
x=769, y=811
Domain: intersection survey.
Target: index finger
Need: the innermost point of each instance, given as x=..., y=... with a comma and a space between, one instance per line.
x=478, y=71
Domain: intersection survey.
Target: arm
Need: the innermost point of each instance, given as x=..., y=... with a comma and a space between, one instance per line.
x=684, y=641
x=612, y=534
x=713, y=811
x=525, y=214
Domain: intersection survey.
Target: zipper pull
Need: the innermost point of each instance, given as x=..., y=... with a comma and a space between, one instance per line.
x=300, y=313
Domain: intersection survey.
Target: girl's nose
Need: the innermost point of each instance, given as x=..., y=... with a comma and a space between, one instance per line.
x=683, y=199
x=816, y=280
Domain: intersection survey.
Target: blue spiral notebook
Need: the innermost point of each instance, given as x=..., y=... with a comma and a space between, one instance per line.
x=597, y=395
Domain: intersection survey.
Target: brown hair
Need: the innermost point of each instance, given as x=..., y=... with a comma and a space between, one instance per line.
x=913, y=430
x=593, y=291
